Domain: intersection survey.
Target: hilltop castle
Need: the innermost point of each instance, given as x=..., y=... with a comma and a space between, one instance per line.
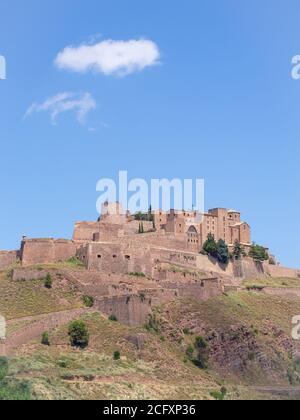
x=124, y=242
x=189, y=228
x=136, y=262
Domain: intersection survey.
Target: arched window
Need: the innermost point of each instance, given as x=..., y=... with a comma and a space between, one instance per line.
x=192, y=235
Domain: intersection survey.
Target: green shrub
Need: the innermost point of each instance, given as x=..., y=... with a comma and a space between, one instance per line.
x=76, y=262
x=238, y=251
x=137, y=274
x=117, y=355
x=210, y=246
x=190, y=352
x=201, y=343
x=3, y=368
x=79, y=335
x=113, y=318
x=153, y=324
x=203, y=352
x=88, y=301
x=64, y=363
x=14, y=391
x=218, y=250
x=186, y=331
x=224, y=391
x=219, y=395
x=48, y=281
x=45, y=339
x=259, y=253
x=255, y=288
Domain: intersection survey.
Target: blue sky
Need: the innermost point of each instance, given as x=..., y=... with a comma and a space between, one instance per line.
x=221, y=104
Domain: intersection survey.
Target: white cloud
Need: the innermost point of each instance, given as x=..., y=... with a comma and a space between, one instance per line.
x=110, y=57
x=80, y=103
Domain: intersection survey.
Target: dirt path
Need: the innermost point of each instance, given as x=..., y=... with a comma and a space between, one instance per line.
x=289, y=391
x=37, y=325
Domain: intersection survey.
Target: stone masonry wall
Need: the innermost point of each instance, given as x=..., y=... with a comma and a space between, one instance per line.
x=43, y=251
x=21, y=274
x=37, y=326
x=84, y=231
x=278, y=271
x=7, y=258
x=130, y=310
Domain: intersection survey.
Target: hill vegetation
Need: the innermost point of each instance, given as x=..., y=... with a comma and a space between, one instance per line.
x=229, y=347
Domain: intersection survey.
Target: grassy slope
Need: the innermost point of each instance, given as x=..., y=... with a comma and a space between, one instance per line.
x=273, y=282
x=247, y=308
x=263, y=315
x=159, y=371
x=21, y=299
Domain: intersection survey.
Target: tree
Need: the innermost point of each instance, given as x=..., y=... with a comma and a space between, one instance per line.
x=48, y=281
x=79, y=335
x=238, y=251
x=150, y=215
x=210, y=246
x=216, y=250
x=259, y=253
x=88, y=301
x=222, y=252
x=202, y=347
x=45, y=339
x=138, y=216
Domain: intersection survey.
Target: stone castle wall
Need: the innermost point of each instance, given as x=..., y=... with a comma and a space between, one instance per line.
x=43, y=251
x=84, y=231
x=200, y=291
x=129, y=309
x=105, y=232
x=136, y=255
x=35, y=329
x=278, y=271
x=7, y=258
x=116, y=258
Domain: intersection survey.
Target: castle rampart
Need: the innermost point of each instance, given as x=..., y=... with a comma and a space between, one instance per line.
x=43, y=251
x=8, y=258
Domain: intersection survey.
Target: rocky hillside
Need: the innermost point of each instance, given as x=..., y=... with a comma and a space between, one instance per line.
x=234, y=346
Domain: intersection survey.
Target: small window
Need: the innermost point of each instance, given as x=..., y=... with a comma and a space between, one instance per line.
x=99, y=257
x=127, y=257
x=114, y=257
